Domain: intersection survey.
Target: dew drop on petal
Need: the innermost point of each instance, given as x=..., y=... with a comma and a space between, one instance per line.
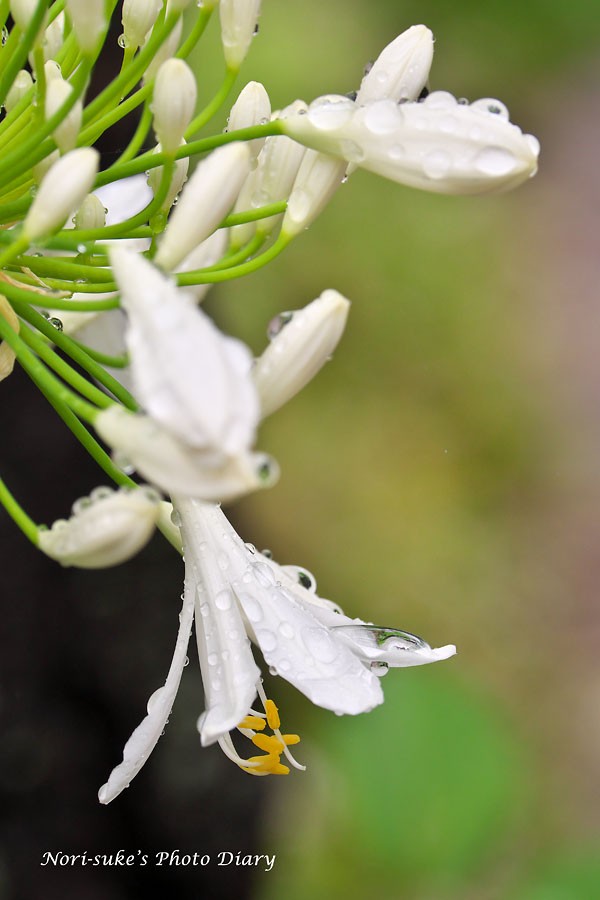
x=286, y=630
x=212, y=659
x=251, y=607
x=320, y=644
x=223, y=600
x=154, y=700
x=436, y=164
x=382, y=117
x=266, y=640
x=275, y=326
x=495, y=161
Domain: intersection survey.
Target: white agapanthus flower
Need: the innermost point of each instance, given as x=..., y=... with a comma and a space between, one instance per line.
x=238, y=596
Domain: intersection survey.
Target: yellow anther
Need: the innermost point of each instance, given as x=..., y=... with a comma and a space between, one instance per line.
x=267, y=743
x=289, y=739
x=253, y=722
x=268, y=765
x=272, y=715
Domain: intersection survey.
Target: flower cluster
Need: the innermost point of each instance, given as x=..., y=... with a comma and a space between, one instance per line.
x=103, y=270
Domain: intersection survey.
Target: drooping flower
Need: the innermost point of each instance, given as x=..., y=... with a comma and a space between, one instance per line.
x=238, y=595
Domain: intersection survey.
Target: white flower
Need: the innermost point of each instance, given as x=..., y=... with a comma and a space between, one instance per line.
x=318, y=178
x=88, y=18
x=204, y=202
x=239, y=22
x=301, y=343
x=438, y=145
x=178, y=179
x=252, y=107
x=106, y=528
x=22, y=83
x=66, y=132
x=61, y=192
x=138, y=17
x=238, y=594
x=91, y=213
x=173, y=102
x=401, y=70
x=193, y=380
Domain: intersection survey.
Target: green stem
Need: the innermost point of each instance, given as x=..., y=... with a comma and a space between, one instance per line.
x=38, y=372
x=253, y=215
x=139, y=136
x=52, y=265
x=205, y=276
x=91, y=134
x=214, y=106
x=202, y=20
x=27, y=298
x=80, y=356
x=115, y=362
x=17, y=58
x=14, y=249
x=62, y=368
x=18, y=514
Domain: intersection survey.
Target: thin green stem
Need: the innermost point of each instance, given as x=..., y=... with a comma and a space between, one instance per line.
x=40, y=374
x=253, y=215
x=18, y=514
x=52, y=265
x=115, y=362
x=214, y=106
x=80, y=355
x=26, y=298
x=202, y=20
x=205, y=276
x=91, y=134
x=139, y=136
x=14, y=249
x=45, y=352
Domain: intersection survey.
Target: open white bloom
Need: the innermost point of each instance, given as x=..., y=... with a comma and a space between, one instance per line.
x=301, y=343
x=239, y=595
x=204, y=202
x=439, y=145
x=61, y=192
x=106, y=528
x=401, y=70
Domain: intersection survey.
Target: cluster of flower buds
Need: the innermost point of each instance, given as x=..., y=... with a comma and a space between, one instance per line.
x=121, y=254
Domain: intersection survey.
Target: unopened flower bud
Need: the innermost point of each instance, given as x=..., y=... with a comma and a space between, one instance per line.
x=44, y=165
x=318, y=178
x=91, y=213
x=239, y=23
x=62, y=190
x=252, y=107
x=54, y=36
x=401, y=70
x=173, y=102
x=438, y=145
x=167, y=49
x=204, y=255
x=52, y=71
x=138, y=18
x=205, y=201
x=66, y=132
x=301, y=344
x=89, y=21
x=106, y=528
x=177, y=181
x=23, y=82
x=22, y=12
x=7, y=355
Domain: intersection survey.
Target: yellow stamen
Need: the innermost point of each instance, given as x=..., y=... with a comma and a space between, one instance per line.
x=267, y=743
x=290, y=739
x=268, y=765
x=272, y=715
x=253, y=722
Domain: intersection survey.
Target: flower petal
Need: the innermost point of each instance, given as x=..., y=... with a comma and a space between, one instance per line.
x=145, y=737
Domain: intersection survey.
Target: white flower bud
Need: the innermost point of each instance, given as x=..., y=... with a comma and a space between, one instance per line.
x=204, y=202
x=178, y=468
x=54, y=36
x=318, y=178
x=167, y=49
x=438, y=145
x=138, y=18
x=177, y=6
x=23, y=82
x=89, y=21
x=40, y=168
x=66, y=132
x=173, y=102
x=106, y=528
x=7, y=355
x=22, y=12
x=252, y=107
x=52, y=71
x=301, y=344
x=205, y=254
x=239, y=23
x=91, y=213
x=193, y=380
x=62, y=191
x=177, y=181
x=401, y=70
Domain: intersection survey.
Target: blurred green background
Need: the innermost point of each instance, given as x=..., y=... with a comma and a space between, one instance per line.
x=441, y=474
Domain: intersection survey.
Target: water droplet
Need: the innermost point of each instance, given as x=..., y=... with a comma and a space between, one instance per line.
x=330, y=112
x=250, y=548
x=437, y=164
x=263, y=574
x=259, y=198
x=204, y=609
x=56, y=323
x=266, y=639
x=490, y=105
x=122, y=462
x=276, y=326
x=440, y=100
x=495, y=161
x=101, y=493
x=379, y=668
x=80, y=505
x=223, y=561
x=382, y=117
x=82, y=248
x=272, y=670
x=223, y=600
x=268, y=553
x=319, y=642
x=252, y=609
x=286, y=630
x=154, y=700
x=284, y=665
x=396, y=152
x=212, y=659
x=122, y=41
x=186, y=662
x=256, y=30
x=175, y=517
x=4, y=35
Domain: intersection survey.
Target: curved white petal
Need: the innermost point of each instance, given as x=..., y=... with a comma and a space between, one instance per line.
x=145, y=737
